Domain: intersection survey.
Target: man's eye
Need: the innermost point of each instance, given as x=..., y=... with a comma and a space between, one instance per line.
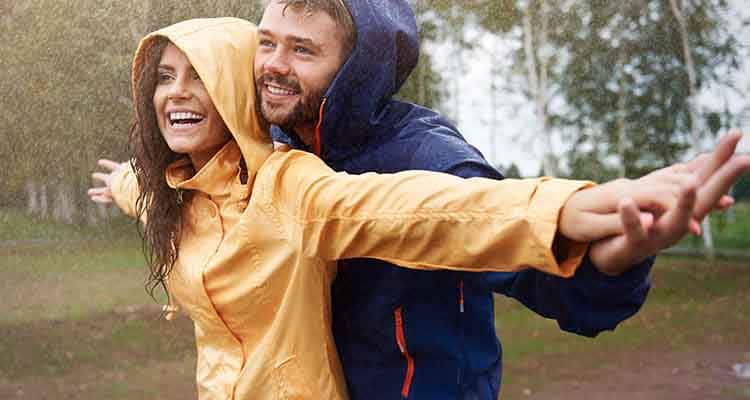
x=302, y=50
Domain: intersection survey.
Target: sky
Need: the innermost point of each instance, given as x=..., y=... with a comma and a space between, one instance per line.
x=472, y=110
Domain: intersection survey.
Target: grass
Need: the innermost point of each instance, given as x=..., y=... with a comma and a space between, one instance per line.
x=75, y=320
x=730, y=229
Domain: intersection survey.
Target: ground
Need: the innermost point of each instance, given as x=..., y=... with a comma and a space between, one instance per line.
x=75, y=323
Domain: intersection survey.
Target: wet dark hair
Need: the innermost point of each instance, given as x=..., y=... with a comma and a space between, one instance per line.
x=160, y=204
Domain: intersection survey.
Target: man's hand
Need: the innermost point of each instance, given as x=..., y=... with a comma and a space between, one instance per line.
x=700, y=189
x=103, y=194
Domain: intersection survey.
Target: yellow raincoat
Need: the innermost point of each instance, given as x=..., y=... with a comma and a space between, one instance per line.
x=256, y=260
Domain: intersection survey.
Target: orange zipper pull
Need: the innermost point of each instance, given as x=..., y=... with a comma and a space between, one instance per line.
x=461, y=295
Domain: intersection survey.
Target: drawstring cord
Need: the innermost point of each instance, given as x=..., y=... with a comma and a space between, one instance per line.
x=170, y=309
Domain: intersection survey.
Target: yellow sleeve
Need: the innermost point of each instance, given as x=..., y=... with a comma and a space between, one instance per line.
x=424, y=220
x=125, y=191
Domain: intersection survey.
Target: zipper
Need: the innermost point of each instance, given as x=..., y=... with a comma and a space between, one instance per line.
x=316, y=139
x=401, y=341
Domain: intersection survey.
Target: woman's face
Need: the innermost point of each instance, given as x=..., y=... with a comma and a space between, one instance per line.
x=185, y=113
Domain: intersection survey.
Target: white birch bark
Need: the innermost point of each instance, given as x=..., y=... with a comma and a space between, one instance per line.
x=621, y=114
x=693, y=113
x=538, y=79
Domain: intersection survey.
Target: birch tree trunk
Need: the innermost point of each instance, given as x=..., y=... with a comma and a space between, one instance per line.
x=32, y=198
x=621, y=114
x=693, y=113
x=538, y=77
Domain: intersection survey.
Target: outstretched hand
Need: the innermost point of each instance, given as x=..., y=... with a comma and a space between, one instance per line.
x=700, y=189
x=103, y=194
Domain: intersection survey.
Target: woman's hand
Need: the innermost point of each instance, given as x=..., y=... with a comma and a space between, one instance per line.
x=103, y=194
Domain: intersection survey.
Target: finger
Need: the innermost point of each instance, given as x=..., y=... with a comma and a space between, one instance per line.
x=724, y=202
x=659, y=197
x=95, y=191
x=100, y=177
x=101, y=200
x=599, y=226
x=695, y=227
x=714, y=190
x=723, y=152
x=675, y=223
x=108, y=164
x=632, y=223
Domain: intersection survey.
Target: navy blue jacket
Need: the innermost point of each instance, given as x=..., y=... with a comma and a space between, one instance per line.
x=430, y=334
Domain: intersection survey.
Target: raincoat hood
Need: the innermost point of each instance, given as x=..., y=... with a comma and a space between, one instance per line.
x=221, y=51
x=357, y=101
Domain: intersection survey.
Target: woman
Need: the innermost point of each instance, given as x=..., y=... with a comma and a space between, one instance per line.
x=245, y=239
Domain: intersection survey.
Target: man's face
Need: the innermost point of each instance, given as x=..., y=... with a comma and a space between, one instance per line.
x=297, y=58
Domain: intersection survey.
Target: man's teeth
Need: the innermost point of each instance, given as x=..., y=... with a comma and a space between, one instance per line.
x=279, y=91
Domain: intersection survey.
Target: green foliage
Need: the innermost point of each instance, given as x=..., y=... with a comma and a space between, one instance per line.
x=742, y=189
x=511, y=171
x=424, y=85
x=631, y=52
x=730, y=229
x=608, y=60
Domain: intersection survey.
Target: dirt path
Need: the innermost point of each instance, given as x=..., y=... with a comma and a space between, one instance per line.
x=652, y=374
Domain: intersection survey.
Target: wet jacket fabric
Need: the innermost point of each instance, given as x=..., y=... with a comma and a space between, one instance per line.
x=257, y=256
x=385, y=318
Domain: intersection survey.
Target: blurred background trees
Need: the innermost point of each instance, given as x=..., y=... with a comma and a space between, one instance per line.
x=609, y=83
x=65, y=92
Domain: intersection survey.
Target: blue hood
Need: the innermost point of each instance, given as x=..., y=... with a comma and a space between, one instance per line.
x=357, y=101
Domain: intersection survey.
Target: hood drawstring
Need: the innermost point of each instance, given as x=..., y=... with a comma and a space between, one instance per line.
x=316, y=139
x=170, y=309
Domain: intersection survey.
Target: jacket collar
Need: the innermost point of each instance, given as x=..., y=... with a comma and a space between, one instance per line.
x=216, y=178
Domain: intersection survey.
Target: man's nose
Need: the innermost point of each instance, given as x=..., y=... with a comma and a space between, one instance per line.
x=277, y=63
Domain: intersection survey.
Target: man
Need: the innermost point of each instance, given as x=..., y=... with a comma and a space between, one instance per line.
x=325, y=73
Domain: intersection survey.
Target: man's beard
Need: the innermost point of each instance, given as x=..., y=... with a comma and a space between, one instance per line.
x=303, y=113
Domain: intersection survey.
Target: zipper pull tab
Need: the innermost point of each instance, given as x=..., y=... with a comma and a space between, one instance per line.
x=461, y=296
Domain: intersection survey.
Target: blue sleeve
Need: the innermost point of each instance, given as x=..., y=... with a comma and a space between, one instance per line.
x=586, y=304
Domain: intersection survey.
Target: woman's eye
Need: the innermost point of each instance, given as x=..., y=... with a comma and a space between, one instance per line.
x=302, y=50
x=266, y=43
x=163, y=77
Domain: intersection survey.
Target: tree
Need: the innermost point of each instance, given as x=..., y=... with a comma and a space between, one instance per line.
x=692, y=107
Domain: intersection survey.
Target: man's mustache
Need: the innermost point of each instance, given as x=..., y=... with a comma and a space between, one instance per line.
x=282, y=81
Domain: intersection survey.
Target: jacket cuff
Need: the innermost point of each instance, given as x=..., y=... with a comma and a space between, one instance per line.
x=608, y=286
x=546, y=205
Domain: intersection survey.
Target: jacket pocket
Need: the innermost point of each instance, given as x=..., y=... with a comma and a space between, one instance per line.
x=291, y=381
x=401, y=342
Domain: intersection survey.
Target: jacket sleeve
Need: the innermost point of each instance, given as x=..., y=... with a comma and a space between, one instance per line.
x=125, y=191
x=423, y=220
x=586, y=304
